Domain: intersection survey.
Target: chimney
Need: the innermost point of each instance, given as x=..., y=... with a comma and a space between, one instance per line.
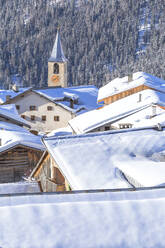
x=15, y=88
x=140, y=97
x=8, y=97
x=130, y=77
x=153, y=111
x=72, y=103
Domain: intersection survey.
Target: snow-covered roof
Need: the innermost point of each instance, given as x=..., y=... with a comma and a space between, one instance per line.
x=19, y=187
x=57, y=54
x=122, y=84
x=11, y=138
x=144, y=117
x=91, y=161
x=117, y=111
x=85, y=97
x=11, y=93
x=61, y=131
x=10, y=112
x=144, y=172
x=110, y=219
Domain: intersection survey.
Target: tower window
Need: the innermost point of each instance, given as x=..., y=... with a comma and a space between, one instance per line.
x=56, y=68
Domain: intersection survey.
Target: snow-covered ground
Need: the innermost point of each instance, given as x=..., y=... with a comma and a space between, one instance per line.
x=19, y=187
x=121, y=219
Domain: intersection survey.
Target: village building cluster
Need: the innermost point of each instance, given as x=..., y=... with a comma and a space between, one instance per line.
x=85, y=145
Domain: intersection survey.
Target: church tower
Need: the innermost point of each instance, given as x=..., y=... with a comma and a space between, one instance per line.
x=57, y=65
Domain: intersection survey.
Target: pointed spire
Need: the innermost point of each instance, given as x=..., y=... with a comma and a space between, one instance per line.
x=57, y=52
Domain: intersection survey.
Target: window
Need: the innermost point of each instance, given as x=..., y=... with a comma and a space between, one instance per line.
x=43, y=117
x=125, y=125
x=32, y=107
x=107, y=128
x=17, y=107
x=49, y=108
x=56, y=68
x=32, y=117
x=56, y=118
x=23, y=116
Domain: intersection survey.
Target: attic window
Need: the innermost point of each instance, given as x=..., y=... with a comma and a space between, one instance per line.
x=56, y=118
x=23, y=116
x=17, y=107
x=49, y=108
x=107, y=128
x=32, y=107
x=56, y=68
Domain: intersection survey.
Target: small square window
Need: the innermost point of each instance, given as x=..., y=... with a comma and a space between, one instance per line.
x=56, y=118
x=49, y=108
x=43, y=117
x=32, y=107
x=106, y=128
x=23, y=116
x=32, y=117
x=17, y=107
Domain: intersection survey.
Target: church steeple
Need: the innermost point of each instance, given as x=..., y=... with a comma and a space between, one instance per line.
x=57, y=52
x=57, y=65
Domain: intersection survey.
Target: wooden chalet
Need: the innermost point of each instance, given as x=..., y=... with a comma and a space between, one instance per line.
x=126, y=86
x=48, y=175
x=17, y=162
x=118, y=96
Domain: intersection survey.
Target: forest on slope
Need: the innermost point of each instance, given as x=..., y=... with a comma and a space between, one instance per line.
x=102, y=39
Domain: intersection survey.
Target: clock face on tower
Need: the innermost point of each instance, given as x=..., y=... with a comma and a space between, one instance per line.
x=55, y=78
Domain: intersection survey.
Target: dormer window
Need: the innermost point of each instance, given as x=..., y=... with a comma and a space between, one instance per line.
x=56, y=68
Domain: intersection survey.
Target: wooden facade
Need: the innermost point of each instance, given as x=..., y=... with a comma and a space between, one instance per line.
x=49, y=176
x=123, y=94
x=17, y=162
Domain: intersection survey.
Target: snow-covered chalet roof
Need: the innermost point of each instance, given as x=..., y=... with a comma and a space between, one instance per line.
x=11, y=93
x=10, y=112
x=144, y=117
x=11, y=138
x=107, y=219
x=61, y=131
x=120, y=110
x=85, y=97
x=91, y=161
x=121, y=84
